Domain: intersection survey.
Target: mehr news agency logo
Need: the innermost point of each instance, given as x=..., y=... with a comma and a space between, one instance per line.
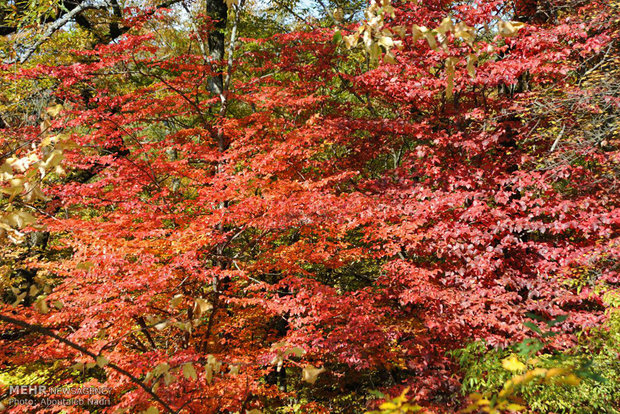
x=31, y=395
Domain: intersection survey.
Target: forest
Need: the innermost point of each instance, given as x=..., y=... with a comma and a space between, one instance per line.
x=310, y=206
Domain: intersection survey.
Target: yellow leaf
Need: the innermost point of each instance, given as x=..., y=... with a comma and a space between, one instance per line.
x=450, y=63
x=386, y=42
x=160, y=326
x=209, y=373
x=465, y=32
x=400, y=30
x=214, y=363
x=102, y=361
x=554, y=372
x=161, y=369
x=388, y=406
x=53, y=111
x=19, y=219
x=297, y=351
x=54, y=159
x=184, y=326
x=6, y=172
x=78, y=366
x=471, y=65
x=19, y=298
x=84, y=266
x=417, y=32
x=176, y=300
x=570, y=379
x=475, y=396
x=201, y=306
x=16, y=186
x=430, y=38
x=513, y=364
x=33, y=192
x=374, y=51
x=450, y=86
x=310, y=374
x=338, y=14
x=389, y=58
x=189, y=371
x=445, y=26
x=509, y=29
x=351, y=40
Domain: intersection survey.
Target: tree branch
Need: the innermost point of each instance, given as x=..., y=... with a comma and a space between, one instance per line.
x=54, y=27
x=44, y=331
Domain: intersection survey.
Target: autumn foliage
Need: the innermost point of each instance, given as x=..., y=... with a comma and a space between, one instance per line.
x=360, y=200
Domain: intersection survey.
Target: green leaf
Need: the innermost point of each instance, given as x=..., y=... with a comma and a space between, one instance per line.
x=337, y=37
x=557, y=320
x=376, y=393
x=535, y=317
x=533, y=327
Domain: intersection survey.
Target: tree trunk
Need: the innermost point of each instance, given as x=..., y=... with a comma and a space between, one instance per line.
x=218, y=12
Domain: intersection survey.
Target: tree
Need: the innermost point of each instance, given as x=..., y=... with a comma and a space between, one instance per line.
x=238, y=217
